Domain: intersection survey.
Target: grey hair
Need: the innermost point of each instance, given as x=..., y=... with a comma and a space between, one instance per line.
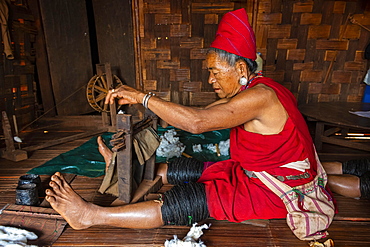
x=231, y=58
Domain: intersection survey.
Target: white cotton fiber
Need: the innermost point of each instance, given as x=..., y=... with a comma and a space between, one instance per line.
x=12, y=236
x=197, y=148
x=190, y=240
x=170, y=145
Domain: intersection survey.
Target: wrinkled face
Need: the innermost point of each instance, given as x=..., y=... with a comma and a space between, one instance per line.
x=223, y=77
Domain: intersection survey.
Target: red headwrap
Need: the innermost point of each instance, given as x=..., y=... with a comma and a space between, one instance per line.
x=235, y=35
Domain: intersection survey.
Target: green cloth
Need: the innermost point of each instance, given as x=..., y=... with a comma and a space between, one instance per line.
x=86, y=159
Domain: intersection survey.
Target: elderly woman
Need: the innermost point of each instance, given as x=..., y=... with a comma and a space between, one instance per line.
x=268, y=133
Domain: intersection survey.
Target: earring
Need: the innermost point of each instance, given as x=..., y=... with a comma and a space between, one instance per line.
x=243, y=81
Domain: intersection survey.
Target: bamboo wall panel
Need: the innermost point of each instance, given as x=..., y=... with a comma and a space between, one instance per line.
x=313, y=49
x=174, y=37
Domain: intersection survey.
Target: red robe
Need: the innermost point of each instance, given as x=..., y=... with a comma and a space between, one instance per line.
x=231, y=194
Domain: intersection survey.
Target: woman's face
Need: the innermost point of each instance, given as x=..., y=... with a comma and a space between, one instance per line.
x=223, y=77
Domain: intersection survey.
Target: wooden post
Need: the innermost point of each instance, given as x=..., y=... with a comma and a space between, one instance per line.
x=10, y=152
x=318, y=135
x=150, y=163
x=124, y=159
x=102, y=69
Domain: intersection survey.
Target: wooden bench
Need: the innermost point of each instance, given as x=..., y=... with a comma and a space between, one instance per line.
x=334, y=123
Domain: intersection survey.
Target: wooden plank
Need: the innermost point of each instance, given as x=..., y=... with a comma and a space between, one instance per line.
x=68, y=46
x=115, y=37
x=149, y=172
x=63, y=140
x=146, y=187
x=124, y=159
x=42, y=64
x=346, y=143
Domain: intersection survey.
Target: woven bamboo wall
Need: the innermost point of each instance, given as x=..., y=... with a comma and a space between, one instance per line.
x=300, y=39
x=297, y=39
x=174, y=36
x=17, y=87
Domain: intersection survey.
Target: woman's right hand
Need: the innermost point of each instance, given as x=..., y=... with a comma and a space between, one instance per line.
x=125, y=95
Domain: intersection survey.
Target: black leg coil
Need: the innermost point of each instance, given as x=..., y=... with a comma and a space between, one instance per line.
x=184, y=170
x=185, y=204
x=356, y=167
x=365, y=185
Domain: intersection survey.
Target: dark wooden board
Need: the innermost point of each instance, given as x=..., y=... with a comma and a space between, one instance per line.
x=68, y=47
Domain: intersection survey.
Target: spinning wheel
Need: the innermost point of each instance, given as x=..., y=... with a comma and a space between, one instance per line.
x=97, y=89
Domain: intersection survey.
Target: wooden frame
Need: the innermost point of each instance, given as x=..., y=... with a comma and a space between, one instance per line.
x=150, y=183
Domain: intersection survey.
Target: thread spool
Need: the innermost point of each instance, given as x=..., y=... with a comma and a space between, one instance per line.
x=32, y=178
x=27, y=194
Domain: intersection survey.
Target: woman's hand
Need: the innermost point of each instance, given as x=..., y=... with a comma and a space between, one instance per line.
x=125, y=95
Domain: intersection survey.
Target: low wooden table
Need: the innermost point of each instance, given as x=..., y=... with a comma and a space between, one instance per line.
x=334, y=123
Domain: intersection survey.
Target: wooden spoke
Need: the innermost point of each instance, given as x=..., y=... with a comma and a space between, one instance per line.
x=97, y=89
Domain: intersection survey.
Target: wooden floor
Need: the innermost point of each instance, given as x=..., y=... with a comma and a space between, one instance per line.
x=351, y=226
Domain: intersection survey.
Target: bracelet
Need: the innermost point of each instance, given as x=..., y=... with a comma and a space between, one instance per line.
x=146, y=99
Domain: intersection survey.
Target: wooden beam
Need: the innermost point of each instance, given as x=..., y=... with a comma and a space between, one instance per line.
x=345, y=143
x=124, y=159
x=63, y=140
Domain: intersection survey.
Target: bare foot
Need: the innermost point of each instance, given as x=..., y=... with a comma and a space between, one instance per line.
x=105, y=151
x=77, y=212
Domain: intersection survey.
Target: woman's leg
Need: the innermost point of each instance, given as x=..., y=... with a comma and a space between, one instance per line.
x=333, y=167
x=357, y=167
x=342, y=184
x=350, y=178
x=81, y=214
x=345, y=185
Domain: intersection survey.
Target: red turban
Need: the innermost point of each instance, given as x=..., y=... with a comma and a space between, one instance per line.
x=235, y=35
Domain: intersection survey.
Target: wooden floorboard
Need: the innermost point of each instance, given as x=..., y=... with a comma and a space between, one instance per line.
x=351, y=226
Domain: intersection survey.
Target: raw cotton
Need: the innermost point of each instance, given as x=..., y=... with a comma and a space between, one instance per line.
x=170, y=145
x=14, y=237
x=190, y=240
x=223, y=146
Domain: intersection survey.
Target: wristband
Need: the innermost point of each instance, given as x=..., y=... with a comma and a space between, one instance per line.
x=146, y=99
